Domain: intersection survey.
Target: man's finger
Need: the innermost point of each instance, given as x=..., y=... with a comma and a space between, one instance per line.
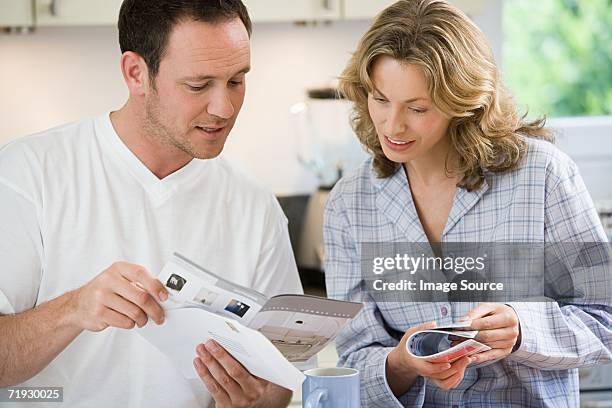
x=140, y=298
x=116, y=319
x=231, y=387
x=139, y=275
x=251, y=386
x=129, y=309
x=216, y=391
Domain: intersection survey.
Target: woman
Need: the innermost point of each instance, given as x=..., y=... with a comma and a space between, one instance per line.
x=452, y=161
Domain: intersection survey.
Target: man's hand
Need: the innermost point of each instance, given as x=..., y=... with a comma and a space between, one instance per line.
x=403, y=369
x=499, y=328
x=231, y=385
x=124, y=295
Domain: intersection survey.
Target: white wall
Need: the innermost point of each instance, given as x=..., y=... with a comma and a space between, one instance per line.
x=587, y=141
x=57, y=75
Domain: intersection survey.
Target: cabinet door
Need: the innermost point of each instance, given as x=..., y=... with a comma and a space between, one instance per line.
x=77, y=12
x=367, y=9
x=470, y=7
x=364, y=9
x=292, y=10
x=15, y=13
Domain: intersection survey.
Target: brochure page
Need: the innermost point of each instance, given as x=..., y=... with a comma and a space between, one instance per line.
x=435, y=345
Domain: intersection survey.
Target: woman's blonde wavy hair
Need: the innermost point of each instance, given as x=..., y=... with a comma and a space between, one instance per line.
x=463, y=81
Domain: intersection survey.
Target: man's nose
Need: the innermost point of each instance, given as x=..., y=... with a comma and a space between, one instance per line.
x=396, y=122
x=221, y=105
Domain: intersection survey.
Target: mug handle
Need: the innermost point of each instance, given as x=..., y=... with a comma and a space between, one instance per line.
x=315, y=398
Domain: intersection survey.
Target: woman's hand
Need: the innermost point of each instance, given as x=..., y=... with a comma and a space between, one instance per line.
x=403, y=369
x=498, y=327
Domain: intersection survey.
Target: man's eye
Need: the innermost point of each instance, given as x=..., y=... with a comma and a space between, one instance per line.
x=235, y=83
x=196, y=88
x=380, y=100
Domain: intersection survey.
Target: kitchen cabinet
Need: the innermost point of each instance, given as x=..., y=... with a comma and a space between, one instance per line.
x=77, y=12
x=470, y=7
x=367, y=9
x=364, y=9
x=105, y=12
x=262, y=11
x=16, y=13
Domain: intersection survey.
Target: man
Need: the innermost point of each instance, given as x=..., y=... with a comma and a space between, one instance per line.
x=91, y=210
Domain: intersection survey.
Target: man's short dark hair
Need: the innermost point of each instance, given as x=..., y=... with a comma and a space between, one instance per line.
x=145, y=25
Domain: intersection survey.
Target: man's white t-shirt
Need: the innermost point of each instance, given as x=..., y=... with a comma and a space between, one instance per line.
x=75, y=199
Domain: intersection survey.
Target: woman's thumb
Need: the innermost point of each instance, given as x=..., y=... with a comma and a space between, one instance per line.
x=422, y=326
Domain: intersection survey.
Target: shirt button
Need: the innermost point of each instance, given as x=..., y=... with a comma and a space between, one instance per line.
x=444, y=311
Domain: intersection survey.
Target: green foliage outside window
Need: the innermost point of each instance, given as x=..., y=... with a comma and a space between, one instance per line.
x=558, y=56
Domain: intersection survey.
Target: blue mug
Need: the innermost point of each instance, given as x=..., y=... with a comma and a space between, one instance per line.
x=331, y=388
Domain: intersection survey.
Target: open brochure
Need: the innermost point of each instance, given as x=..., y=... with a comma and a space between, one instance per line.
x=434, y=345
x=264, y=334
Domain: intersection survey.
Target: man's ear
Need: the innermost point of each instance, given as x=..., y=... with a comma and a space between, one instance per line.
x=135, y=73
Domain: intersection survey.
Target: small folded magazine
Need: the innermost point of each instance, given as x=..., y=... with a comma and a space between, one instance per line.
x=434, y=345
x=266, y=335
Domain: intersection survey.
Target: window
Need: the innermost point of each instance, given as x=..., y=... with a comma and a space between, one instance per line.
x=558, y=56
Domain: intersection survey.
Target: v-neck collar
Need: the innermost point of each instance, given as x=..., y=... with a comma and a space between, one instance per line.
x=463, y=202
x=159, y=190
x=394, y=200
